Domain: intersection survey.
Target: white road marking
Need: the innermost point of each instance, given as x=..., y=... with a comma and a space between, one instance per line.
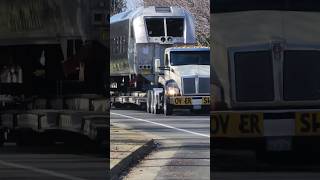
x=164, y=125
x=37, y=170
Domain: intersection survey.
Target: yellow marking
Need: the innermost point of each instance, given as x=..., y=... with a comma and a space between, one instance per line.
x=182, y=101
x=236, y=124
x=307, y=123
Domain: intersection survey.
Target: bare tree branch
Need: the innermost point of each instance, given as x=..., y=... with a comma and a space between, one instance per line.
x=200, y=9
x=118, y=6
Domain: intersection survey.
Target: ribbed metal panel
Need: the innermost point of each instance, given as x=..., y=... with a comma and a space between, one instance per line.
x=189, y=85
x=204, y=85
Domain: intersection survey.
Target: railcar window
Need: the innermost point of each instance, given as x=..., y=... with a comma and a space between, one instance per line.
x=188, y=58
x=155, y=27
x=175, y=27
x=221, y=6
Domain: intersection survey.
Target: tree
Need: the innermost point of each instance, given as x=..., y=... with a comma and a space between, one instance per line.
x=118, y=6
x=200, y=9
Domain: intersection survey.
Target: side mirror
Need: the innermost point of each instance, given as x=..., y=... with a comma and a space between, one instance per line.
x=164, y=68
x=157, y=65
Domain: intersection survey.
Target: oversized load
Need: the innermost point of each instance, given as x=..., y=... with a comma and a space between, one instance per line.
x=140, y=36
x=50, y=20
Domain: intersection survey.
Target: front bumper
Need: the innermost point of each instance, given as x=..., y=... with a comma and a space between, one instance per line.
x=297, y=143
x=190, y=102
x=271, y=130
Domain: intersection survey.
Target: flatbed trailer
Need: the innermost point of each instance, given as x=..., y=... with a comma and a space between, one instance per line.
x=54, y=53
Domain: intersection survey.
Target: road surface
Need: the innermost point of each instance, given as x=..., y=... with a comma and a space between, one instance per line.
x=184, y=144
x=184, y=152
x=50, y=163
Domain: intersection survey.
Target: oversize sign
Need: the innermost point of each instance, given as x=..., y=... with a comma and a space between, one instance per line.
x=183, y=101
x=206, y=100
x=189, y=101
x=307, y=123
x=237, y=124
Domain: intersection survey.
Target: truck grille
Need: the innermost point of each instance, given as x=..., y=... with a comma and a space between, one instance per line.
x=301, y=75
x=204, y=85
x=254, y=76
x=189, y=85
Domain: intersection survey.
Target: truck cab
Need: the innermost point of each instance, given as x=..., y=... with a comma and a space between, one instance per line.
x=184, y=79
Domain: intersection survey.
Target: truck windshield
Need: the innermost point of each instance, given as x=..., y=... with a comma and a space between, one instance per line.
x=221, y=6
x=189, y=58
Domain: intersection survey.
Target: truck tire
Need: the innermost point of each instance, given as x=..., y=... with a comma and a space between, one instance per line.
x=167, y=108
x=156, y=110
x=155, y=105
x=2, y=137
x=152, y=106
x=148, y=104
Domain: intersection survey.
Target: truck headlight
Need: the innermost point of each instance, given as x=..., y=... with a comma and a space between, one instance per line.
x=172, y=89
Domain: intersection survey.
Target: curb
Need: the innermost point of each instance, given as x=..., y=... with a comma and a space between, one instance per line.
x=131, y=159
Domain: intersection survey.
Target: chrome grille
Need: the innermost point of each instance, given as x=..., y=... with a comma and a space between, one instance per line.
x=301, y=75
x=189, y=85
x=254, y=76
x=204, y=85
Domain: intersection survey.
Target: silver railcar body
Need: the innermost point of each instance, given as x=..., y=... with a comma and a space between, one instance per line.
x=140, y=36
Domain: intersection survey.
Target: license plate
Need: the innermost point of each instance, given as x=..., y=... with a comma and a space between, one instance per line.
x=307, y=123
x=183, y=101
x=196, y=102
x=279, y=144
x=237, y=124
x=206, y=100
x=196, y=107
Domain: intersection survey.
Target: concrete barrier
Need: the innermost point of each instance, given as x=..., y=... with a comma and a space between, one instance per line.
x=95, y=126
x=78, y=104
x=70, y=121
x=28, y=120
x=39, y=103
x=56, y=103
x=7, y=120
x=100, y=104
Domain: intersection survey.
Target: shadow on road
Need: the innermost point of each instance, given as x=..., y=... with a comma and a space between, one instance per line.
x=237, y=161
x=53, y=149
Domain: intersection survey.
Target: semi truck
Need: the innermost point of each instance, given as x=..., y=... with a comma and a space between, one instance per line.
x=54, y=58
x=265, y=84
x=146, y=44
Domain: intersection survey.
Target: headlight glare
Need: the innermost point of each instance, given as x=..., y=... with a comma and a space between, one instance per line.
x=172, y=89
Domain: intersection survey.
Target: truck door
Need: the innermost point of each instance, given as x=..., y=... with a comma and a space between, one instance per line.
x=159, y=51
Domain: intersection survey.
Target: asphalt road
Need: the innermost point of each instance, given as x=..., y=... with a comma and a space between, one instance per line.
x=184, y=153
x=234, y=165
x=184, y=145
x=50, y=163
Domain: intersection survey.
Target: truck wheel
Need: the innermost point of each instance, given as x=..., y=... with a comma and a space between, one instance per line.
x=153, y=103
x=156, y=110
x=148, y=104
x=152, y=108
x=2, y=137
x=156, y=105
x=167, y=108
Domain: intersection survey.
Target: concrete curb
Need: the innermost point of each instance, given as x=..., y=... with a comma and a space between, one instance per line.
x=132, y=159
